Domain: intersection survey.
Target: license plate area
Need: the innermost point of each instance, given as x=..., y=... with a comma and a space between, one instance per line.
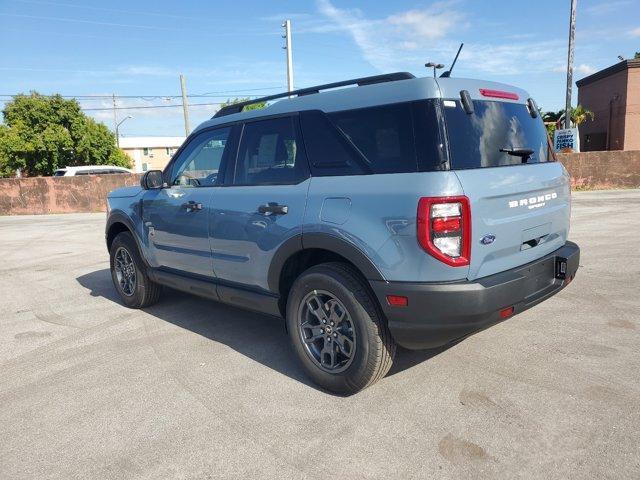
x=538, y=276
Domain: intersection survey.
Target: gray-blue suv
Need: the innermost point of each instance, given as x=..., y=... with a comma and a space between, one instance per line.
x=381, y=211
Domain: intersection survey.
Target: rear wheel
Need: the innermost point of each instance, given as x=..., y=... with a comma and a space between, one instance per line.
x=129, y=275
x=337, y=330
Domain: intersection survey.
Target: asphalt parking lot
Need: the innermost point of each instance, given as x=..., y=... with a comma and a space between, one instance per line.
x=192, y=389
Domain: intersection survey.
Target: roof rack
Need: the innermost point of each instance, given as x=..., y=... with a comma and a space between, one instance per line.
x=388, y=77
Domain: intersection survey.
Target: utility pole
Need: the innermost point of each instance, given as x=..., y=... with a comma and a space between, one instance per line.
x=572, y=34
x=115, y=114
x=185, y=106
x=287, y=36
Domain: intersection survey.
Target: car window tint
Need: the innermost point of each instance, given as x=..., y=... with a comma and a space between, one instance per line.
x=328, y=151
x=476, y=140
x=200, y=161
x=383, y=134
x=270, y=154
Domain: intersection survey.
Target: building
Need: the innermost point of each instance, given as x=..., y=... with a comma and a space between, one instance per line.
x=613, y=95
x=150, y=153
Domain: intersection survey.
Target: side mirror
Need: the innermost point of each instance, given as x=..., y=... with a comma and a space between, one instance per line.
x=152, y=179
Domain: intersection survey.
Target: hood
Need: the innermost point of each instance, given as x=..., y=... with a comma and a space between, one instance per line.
x=125, y=192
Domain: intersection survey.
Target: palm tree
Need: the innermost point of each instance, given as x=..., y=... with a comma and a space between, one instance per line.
x=552, y=116
x=579, y=115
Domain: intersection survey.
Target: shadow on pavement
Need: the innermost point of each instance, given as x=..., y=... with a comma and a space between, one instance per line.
x=260, y=337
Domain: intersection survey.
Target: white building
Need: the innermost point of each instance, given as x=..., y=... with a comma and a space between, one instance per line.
x=150, y=153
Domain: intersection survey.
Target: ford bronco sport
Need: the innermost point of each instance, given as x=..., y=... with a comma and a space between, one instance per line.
x=399, y=211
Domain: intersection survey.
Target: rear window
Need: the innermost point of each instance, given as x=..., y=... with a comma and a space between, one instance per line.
x=380, y=139
x=475, y=140
x=59, y=173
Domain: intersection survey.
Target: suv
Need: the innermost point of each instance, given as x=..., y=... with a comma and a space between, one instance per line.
x=400, y=211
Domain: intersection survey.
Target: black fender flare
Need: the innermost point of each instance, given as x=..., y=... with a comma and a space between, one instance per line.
x=120, y=217
x=322, y=241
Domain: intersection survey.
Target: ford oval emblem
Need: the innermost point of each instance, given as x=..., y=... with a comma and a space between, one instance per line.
x=487, y=239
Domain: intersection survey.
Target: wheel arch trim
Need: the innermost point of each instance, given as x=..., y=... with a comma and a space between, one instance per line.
x=323, y=241
x=121, y=217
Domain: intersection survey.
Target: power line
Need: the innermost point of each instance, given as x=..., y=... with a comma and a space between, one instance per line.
x=152, y=97
x=151, y=106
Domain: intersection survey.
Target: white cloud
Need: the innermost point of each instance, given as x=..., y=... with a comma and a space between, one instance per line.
x=635, y=32
x=145, y=70
x=608, y=6
x=407, y=39
x=428, y=23
x=583, y=69
x=384, y=41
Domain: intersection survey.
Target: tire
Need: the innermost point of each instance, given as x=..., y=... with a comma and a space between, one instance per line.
x=335, y=365
x=141, y=291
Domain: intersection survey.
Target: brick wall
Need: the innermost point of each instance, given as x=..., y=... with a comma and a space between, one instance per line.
x=603, y=170
x=39, y=195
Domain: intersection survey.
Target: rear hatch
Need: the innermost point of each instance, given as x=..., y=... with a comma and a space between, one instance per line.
x=519, y=196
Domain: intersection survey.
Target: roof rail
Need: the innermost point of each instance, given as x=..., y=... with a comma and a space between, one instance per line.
x=387, y=77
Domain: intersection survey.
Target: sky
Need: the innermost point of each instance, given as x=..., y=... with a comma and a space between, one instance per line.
x=137, y=49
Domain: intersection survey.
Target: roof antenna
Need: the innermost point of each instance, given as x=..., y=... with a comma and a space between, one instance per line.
x=447, y=74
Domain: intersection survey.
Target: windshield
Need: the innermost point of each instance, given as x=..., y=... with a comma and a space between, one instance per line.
x=59, y=173
x=496, y=134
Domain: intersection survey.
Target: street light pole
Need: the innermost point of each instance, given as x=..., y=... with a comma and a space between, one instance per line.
x=572, y=34
x=118, y=129
x=435, y=66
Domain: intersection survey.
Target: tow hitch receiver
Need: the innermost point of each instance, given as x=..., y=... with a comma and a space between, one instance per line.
x=561, y=268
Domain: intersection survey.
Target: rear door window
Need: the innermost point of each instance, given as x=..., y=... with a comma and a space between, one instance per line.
x=476, y=140
x=271, y=153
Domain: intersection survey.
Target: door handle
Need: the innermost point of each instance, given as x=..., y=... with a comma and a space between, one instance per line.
x=192, y=206
x=273, y=208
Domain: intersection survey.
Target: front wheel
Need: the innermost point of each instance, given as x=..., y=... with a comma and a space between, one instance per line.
x=337, y=330
x=129, y=275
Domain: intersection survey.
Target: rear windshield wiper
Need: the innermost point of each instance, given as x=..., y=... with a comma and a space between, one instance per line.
x=523, y=153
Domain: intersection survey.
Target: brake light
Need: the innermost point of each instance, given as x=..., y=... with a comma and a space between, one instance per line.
x=444, y=229
x=486, y=92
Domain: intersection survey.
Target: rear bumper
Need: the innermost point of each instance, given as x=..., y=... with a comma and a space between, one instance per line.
x=440, y=313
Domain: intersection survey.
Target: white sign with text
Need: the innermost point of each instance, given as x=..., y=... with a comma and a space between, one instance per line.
x=566, y=140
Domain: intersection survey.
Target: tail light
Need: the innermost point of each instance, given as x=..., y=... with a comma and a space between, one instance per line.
x=444, y=229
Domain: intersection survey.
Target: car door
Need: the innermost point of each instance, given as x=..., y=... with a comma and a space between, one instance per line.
x=263, y=205
x=176, y=218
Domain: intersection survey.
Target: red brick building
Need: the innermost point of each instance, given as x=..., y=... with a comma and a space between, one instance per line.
x=613, y=95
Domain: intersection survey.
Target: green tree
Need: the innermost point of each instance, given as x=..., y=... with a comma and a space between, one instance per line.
x=579, y=115
x=253, y=106
x=41, y=134
x=637, y=55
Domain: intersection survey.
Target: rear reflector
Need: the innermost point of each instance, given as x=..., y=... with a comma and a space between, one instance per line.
x=485, y=92
x=506, y=312
x=397, y=300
